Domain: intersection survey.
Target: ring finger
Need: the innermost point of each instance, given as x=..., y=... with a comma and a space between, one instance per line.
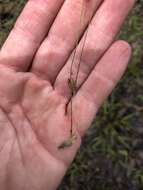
x=101, y=33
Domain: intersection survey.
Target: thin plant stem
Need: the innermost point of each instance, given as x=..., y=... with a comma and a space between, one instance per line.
x=81, y=55
x=71, y=117
x=73, y=83
x=72, y=63
x=77, y=40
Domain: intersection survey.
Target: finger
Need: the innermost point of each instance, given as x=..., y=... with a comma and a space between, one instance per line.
x=101, y=33
x=62, y=37
x=99, y=84
x=28, y=32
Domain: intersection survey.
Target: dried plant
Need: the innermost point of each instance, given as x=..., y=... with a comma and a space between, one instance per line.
x=73, y=77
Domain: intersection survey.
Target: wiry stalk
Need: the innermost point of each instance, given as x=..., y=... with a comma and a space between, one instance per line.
x=77, y=39
x=73, y=82
x=80, y=59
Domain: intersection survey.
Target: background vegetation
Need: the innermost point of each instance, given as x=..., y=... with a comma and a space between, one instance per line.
x=111, y=157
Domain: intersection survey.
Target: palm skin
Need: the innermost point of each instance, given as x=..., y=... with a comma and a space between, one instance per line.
x=33, y=115
x=33, y=121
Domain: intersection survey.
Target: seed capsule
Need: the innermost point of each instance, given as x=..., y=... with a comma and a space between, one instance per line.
x=67, y=143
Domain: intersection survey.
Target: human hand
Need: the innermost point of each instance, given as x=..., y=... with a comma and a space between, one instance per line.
x=34, y=69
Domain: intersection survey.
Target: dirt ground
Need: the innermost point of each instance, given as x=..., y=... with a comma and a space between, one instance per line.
x=111, y=157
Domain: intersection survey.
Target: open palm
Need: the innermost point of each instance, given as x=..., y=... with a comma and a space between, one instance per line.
x=34, y=69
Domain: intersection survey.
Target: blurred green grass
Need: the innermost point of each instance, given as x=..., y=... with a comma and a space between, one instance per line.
x=111, y=157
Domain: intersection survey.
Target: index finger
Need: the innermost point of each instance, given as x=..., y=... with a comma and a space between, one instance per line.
x=28, y=32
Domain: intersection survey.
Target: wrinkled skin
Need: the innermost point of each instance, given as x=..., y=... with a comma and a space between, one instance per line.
x=34, y=69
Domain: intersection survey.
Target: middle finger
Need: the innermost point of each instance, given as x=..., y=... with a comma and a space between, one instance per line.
x=62, y=38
